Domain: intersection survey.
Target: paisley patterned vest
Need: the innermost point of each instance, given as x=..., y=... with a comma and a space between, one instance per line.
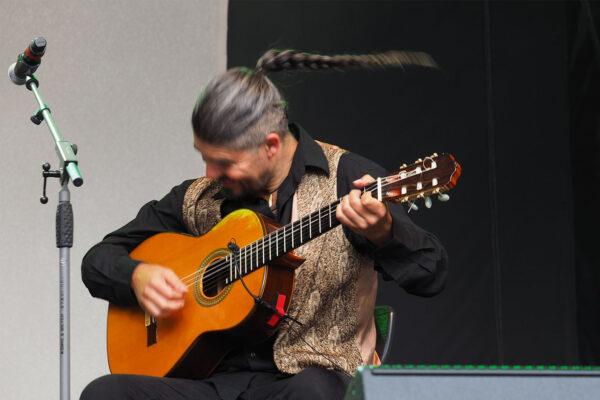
x=335, y=287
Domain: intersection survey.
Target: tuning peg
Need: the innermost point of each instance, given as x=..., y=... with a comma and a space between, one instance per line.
x=419, y=160
x=413, y=206
x=434, y=155
x=427, y=201
x=443, y=197
x=403, y=166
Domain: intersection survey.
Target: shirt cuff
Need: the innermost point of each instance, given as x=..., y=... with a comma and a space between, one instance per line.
x=124, y=270
x=125, y=266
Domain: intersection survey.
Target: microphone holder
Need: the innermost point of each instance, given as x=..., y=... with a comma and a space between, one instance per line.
x=67, y=171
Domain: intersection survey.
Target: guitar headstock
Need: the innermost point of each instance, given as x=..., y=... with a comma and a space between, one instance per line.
x=435, y=174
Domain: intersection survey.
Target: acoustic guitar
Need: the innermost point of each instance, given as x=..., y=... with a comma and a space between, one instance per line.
x=219, y=312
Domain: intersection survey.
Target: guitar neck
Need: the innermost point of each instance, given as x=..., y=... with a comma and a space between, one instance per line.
x=432, y=175
x=282, y=241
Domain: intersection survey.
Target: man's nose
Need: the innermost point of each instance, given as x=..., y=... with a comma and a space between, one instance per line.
x=212, y=172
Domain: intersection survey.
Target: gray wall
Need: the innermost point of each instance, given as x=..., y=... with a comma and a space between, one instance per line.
x=121, y=79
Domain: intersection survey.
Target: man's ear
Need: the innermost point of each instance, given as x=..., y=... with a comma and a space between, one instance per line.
x=273, y=144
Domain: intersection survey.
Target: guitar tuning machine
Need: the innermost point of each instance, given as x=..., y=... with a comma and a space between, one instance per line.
x=46, y=173
x=443, y=197
x=419, y=160
x=434, y=155
x=428, y=202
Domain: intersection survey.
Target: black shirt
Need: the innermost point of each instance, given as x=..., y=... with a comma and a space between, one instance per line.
x=413, y=258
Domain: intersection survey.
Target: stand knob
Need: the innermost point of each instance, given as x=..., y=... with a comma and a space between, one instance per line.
x=46, y=173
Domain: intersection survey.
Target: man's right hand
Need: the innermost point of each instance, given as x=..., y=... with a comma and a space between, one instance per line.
x=158, y=289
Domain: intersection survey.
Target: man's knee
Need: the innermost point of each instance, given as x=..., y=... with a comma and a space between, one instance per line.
x=101, y=388
x=117, y=386
x=318, y=383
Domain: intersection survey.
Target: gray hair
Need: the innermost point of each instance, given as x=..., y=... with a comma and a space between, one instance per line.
x=239, y=108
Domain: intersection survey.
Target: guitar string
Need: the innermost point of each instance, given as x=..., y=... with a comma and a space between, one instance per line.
x=223, y=264
x=255, y=248
x=220, y=268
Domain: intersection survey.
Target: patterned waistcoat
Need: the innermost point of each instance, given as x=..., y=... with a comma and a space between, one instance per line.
x=325, y=294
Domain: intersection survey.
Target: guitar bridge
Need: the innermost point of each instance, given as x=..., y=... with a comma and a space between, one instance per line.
x=151, y=328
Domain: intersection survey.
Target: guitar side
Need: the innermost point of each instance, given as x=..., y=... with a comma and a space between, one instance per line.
x=191, y=342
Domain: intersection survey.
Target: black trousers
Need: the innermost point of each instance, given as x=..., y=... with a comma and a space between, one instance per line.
x=311, y=383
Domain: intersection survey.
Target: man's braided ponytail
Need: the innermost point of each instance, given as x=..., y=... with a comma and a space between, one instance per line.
x=279, y=60
x=240, y=107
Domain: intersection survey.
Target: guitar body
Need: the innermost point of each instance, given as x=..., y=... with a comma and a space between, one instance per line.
x=192, y=342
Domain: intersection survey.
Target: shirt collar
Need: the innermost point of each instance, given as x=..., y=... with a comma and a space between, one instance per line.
x=308, y=153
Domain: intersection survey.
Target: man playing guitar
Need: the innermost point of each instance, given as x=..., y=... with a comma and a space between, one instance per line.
x=256, y=160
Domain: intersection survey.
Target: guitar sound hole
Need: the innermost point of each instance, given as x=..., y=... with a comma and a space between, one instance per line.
x=213, y=279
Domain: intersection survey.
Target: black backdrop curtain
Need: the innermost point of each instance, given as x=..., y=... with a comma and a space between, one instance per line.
x=500, y=104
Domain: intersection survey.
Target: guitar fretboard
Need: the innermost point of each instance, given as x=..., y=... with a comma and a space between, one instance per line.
x=433, y=175
x=281, y=241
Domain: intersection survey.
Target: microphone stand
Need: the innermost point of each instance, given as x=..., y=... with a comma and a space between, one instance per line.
x=68, y=170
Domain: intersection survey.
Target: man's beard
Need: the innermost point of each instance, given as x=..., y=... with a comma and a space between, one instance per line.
x=249, y=188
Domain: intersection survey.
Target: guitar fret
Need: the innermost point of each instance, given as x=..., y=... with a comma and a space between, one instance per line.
x=292, y=235
x=284, y=239
x=263, y=248
x=270, y=248
x=319, y=220
x=230, y=269
x=330, y=215
x=249, y=257
x=244, y=260
x=301, y=223
x=277, y=243
x=256, y=246
x=309, y=226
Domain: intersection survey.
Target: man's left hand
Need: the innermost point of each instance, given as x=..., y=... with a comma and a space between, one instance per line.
x=365, y=215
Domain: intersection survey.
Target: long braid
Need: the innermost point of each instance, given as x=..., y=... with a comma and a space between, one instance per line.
x=278, y=60
x=240, y=105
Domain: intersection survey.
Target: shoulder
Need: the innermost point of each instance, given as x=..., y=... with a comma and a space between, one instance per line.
x=200, y=186
x=355, y=166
